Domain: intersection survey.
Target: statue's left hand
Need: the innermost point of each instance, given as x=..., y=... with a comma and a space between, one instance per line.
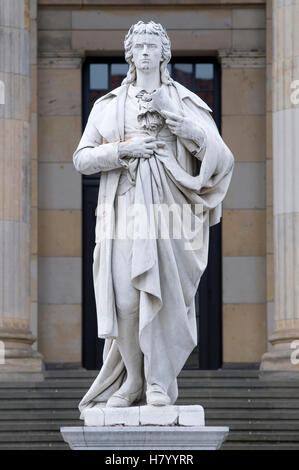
x=184, y=127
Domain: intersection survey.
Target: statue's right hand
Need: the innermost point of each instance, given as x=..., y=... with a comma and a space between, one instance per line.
x=138, y=147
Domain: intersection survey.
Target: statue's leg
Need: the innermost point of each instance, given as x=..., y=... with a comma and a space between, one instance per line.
x=127, y=306
x=127, y=299
x=128, y=344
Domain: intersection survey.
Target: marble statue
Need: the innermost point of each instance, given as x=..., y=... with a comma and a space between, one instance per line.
x=154, y=142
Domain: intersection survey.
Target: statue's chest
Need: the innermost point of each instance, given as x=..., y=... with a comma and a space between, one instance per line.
x=131, y=125
x=141, y=121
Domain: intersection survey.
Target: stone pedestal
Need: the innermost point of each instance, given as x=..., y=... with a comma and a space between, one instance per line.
x=145, y=437
x=145, y=428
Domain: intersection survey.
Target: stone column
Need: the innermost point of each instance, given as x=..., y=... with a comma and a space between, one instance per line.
x=15, y=193
x=285, y=118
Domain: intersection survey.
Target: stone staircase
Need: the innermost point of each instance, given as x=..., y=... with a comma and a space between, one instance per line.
x=262, y=413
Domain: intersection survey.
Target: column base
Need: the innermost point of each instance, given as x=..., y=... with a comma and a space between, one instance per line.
x=285, y=353
x=18, y=361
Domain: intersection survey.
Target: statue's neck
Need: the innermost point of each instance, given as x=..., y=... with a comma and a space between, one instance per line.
x=148, y=81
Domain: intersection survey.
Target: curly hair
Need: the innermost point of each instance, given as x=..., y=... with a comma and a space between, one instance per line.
x=150, y=28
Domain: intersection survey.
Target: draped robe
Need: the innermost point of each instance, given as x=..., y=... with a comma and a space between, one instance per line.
x=165, y=273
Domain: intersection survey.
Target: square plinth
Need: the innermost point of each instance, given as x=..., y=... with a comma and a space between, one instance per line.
x=145, y=428
x=144, y=437
x=147, y=415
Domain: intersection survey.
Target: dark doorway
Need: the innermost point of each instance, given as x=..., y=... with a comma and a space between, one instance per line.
x=202, y=76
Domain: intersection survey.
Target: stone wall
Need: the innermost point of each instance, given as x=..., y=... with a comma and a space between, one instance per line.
x=59, y=221
x=244, y=215
x=234, y=31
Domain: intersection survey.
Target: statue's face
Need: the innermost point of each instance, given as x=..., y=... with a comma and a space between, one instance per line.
x=147, y=51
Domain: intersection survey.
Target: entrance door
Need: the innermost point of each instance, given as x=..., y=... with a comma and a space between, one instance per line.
x=202, y=76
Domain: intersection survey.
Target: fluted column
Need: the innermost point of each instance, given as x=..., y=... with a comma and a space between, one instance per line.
x=285, y=115
x=15, y=191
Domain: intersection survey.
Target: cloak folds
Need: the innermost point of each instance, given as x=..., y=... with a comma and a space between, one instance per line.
x=165, y=273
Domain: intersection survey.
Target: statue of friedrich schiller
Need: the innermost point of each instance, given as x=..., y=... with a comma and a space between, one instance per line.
x=155, y=143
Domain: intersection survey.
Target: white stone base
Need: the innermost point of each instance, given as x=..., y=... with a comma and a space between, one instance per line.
x=144, y=437
x=145, y=428
x=147, y=415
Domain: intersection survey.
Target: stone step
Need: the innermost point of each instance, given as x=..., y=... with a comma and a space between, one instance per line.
x=75, y=384
x=224, y=393
x=252, y=414
x=261, y=413
x=12, y=426
x=198, y=382
x=260, y=403
x=237, y=383
x=189, y=383
x=38, y=404
x=215, y=414
x=38, y=437
x=229, y=445
x=213, y=404
x=81, y=373
x=247, y=425
x=70, y=373
x=283, y=379
x=234, y=436
x=16, y=415
x=265, y=436
x=249, y=392
x=34, y=446
x=52, y=394
x=237, y=425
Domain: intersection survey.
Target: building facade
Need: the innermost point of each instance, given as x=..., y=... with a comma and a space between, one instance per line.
x=45, y=49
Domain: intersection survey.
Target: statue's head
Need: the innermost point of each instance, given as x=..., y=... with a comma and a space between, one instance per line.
x=159, y=51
